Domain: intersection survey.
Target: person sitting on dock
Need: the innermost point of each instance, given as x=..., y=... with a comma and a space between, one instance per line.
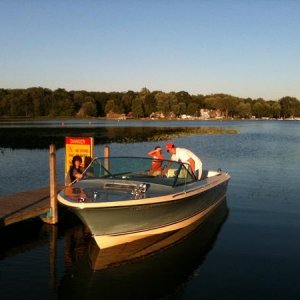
x=156, y=166
x=185, y=156
x=76, y=170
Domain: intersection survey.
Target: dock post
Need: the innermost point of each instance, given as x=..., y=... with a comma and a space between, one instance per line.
x=106, y=156
x=53, y=188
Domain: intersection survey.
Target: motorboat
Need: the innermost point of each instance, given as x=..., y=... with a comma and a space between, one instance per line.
x=122, y=201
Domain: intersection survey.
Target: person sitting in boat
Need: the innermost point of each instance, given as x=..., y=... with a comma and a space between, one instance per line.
x=185, y=156
x=76, y=170
x=87, y=163
x=156, y=166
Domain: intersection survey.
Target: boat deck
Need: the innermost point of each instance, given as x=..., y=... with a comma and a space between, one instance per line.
x=112, y=190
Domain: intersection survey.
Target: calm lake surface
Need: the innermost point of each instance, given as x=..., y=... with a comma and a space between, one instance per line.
x=249, y=249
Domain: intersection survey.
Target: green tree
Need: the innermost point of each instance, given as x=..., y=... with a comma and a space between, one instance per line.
x=274, y=109
x=288, y=106
x=260, y=109
x=297, y=110
x=150, y=104
x=163, y=103
x=89, y=109
x=118, y=108
x=225, y=103
x=127, y=101
x=137, y=108
x=199, y=99
x=61, y=105
x=210, y=102
x=101, y=99
x=244, y=110
x=78, y=98
x=118, y=103
x=39, y=98
x=173, y=102
x=3, y=102
x=183, y=97
x=182, y=108
x=17, y=103
x=192, y=109
x=12, y=99
x=109, y=107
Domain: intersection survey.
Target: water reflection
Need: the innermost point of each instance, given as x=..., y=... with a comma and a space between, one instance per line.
x=42, y=137
x=151, y=276
x=26, y=236
x=40, y=134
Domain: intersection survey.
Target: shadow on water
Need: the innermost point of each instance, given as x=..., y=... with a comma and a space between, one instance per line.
x=33, y=233
x=41, y=138
x=26, y=236
x=152, y=276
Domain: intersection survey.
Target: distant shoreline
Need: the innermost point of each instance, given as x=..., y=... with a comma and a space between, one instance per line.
x=136, y=119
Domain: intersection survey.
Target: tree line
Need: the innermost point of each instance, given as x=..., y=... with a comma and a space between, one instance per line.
x=43, y=102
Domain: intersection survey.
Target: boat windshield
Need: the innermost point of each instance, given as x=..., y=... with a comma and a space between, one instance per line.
x=166, y=172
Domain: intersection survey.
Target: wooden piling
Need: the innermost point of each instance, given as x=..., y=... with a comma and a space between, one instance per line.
x=106, y=155
x=53, y=219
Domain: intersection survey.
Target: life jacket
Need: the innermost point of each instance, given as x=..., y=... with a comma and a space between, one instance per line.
x=156, y=164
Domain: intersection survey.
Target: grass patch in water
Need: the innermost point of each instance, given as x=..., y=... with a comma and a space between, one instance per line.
x=171, y=133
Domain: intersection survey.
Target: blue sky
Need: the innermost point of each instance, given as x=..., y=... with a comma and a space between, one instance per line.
x=242, y=48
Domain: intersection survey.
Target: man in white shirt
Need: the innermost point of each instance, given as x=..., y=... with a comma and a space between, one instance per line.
x=185, y=156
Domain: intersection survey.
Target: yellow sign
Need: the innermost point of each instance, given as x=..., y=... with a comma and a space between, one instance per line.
x=78, y=146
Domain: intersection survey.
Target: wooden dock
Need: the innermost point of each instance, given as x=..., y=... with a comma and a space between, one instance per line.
x=25, y=205
x=40, y=202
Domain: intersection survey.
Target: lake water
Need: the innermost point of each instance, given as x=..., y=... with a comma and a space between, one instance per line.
x=249, y=249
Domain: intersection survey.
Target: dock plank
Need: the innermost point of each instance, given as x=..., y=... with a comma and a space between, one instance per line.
x=24, y=205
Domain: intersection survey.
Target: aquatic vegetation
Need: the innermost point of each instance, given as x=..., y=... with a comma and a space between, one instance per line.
x=175, y=132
